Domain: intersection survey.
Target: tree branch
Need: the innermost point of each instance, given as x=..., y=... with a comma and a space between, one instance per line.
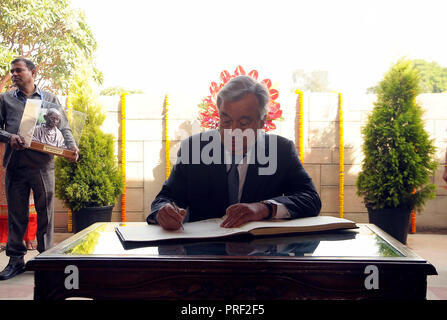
x=4, y=80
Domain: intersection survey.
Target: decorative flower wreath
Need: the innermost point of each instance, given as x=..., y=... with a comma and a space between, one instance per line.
x=209, y=114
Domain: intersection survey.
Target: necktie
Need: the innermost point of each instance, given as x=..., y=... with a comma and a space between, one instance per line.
x=233, y=184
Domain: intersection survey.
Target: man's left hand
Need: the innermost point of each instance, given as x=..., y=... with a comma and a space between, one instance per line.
x=76, y=155
x=241, y=213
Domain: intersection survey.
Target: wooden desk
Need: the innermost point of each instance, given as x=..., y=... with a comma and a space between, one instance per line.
x=331, y=265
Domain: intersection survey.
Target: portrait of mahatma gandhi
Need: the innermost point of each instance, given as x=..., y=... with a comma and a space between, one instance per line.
x=48, y=132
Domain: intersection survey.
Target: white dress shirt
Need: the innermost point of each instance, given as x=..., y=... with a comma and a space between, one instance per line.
x=242, y=167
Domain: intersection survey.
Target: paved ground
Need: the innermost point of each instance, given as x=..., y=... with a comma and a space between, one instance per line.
x=432, y=247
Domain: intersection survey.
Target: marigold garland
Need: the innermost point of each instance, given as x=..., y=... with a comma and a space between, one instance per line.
x=70, y=215
x=299, y=113
x=123, y=157
x=413, y=214
x=342, y=157
x=413, y=217
x=167, y=143
x=413, y=221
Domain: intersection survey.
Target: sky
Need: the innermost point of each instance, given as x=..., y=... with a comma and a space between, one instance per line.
x=167, y=46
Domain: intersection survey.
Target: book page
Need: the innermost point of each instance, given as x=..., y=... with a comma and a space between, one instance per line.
x=200, y=229
x=308, y=224
x=211, y=228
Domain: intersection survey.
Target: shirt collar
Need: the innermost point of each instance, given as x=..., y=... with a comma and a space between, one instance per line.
x=37, y=91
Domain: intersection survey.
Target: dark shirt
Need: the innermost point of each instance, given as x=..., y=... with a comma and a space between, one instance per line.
x=37, y=94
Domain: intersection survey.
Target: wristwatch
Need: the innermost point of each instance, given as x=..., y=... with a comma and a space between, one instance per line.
x=272, y=209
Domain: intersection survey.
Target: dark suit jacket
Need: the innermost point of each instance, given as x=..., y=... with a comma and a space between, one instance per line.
x=202, y=188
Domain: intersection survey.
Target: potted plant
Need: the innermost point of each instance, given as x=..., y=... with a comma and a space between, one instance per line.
x=90, y=186
x=399, y=155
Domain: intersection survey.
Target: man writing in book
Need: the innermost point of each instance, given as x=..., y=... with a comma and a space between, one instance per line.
x=237, y=171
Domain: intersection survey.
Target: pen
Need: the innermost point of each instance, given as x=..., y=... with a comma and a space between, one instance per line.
x=178, y=209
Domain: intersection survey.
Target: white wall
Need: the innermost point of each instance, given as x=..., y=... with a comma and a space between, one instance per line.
x=145, y=153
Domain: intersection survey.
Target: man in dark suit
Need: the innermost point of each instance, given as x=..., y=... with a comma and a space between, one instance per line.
x=26, y=169
x=237, y=170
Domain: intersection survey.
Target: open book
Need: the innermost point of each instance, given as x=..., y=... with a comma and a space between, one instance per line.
x=210, y=229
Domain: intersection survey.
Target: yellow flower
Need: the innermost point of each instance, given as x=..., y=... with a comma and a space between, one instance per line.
x=123, y=156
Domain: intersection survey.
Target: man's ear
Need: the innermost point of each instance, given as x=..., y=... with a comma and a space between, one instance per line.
x=33, y=73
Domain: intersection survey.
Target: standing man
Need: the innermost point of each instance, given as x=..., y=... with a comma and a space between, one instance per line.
x=26, y=169
x=237, y=171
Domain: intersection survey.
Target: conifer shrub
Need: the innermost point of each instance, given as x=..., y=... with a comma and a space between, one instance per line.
x=95, y=180
x=399, y=157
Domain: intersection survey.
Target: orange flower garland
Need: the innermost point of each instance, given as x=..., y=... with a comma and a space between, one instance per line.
x=413, y=217
x=413, y=214
x=413, y=221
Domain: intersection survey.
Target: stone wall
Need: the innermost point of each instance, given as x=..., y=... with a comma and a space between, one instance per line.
x=145, y=141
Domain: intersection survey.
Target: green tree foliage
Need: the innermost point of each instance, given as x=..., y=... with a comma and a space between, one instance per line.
x=49, y=33
x=95, y=180
x=6, y=56
x=433, y=77
x=399, y=156
x=117, y=91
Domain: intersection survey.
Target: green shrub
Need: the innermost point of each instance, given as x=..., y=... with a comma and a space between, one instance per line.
x=399, y=156
x=95, y=179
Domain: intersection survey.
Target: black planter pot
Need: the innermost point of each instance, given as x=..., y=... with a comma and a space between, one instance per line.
x=88, y=216
x=394, y=221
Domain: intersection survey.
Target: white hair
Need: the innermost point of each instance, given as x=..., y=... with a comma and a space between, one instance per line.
x=239, y=87
x=53, y=110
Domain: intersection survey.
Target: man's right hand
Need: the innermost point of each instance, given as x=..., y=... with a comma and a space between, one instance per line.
x=170, y=217
x=17, y=142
